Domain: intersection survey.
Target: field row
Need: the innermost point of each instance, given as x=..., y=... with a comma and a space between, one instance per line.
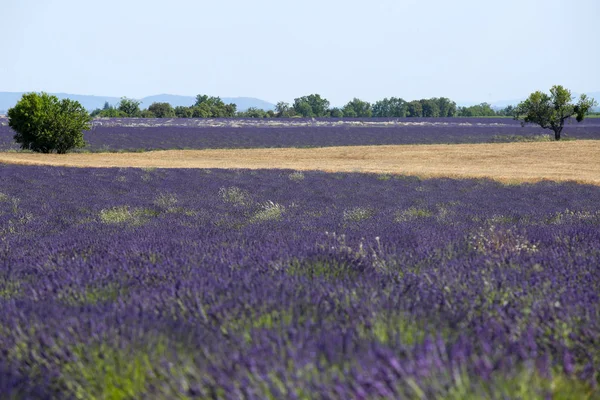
x=137, y=135
x=187, y=283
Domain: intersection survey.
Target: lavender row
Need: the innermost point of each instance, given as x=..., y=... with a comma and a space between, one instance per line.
x=125, y=283
x=141, y=138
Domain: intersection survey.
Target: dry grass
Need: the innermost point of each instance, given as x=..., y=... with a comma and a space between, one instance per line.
x=508, y=162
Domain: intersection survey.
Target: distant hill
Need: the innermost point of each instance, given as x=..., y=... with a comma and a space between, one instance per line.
x=9, y=99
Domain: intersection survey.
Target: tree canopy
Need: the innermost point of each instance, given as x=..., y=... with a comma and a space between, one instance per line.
x=45, y=124
x=551, y=111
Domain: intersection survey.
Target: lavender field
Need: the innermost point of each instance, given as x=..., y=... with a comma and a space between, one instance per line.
x=154, y=134
x=228, y=284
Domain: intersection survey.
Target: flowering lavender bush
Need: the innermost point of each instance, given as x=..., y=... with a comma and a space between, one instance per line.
x=141, y=135
x=125, y=283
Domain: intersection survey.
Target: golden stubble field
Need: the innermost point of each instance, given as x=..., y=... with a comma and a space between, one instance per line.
x=507, y=162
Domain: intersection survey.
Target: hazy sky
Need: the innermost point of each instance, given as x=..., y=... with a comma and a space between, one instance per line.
x=468, y=50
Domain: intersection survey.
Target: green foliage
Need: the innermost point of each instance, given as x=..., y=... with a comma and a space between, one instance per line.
x=414, y=109
x=126, y=215
x=130, y=107
x=213, y=107
x=392, y=107
x=336, y=113
x=162, y=110
x=446, y=106
x=183, y=112
x=311, y=106
x=105, y=372
x=283, y=110
x=254, y=112
x=357, y=109
x=430, y=108
x=44, y=124
x=479, y=110
x=551, y=111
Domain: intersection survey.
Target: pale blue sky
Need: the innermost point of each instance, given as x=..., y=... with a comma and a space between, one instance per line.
x=468, y=50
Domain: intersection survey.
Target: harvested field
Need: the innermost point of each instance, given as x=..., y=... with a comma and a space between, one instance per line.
x=508, y=162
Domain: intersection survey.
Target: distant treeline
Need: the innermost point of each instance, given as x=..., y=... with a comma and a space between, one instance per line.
x=311, y=106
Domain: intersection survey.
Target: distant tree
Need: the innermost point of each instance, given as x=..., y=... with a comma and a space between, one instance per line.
x=253, y=112
x=130, y=107
x=508, y=111
x=44, y=124
x=162, y=110
x=201, y=111
x=217, y=108
x=107, y=106
x=479, y=110
x=283, y=110
x=147, y=114
x=303, y=109
x=430, y=108
x=183, y=112
x=357, y=109
x=311, y=106
x=414, y=109
x=551, y=111
x=336, y=113
x=446, y=106
x=392, y=107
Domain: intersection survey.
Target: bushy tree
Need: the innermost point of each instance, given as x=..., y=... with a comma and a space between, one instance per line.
x=336, y=113
x=430, y=108
x=414, y=109
x=357, y=109
x=446, y=106
x=392, y=107
x=215, y=106
x=478, y=110
x=311, y=106
x=162, y=110
x=130, y=107
x=45, y=124
x=183, y=112
x=551, y=111
x=283, y=110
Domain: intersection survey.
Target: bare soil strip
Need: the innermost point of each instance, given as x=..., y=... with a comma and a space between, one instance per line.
x=507, y=162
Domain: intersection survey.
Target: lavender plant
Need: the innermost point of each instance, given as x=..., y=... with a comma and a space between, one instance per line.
x=141, y=135
x=249, y=284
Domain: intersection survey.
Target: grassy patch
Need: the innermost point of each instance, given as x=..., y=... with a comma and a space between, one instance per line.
x=126, y=215
x=412, y=213
x=358, y=214
x=268, y=211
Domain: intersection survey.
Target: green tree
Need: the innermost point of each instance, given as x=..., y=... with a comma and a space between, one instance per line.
x=430, y=108
x=44, y=124
x=357, y=109
x=414, y=109
x=283, y=110
x=336, y=113
x=202, y=111
x=183, y=112
x=162, y=110
x=392, y=107
x=446, y=106
x=551, y=111
x=217, y=108
x=303, y=109
x=479, y=110
x=130, y=107
x=311, y=106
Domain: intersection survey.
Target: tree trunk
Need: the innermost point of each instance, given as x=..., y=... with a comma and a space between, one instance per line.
x=557, y=132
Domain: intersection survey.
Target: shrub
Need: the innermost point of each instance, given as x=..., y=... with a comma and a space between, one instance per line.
x=44, y=124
